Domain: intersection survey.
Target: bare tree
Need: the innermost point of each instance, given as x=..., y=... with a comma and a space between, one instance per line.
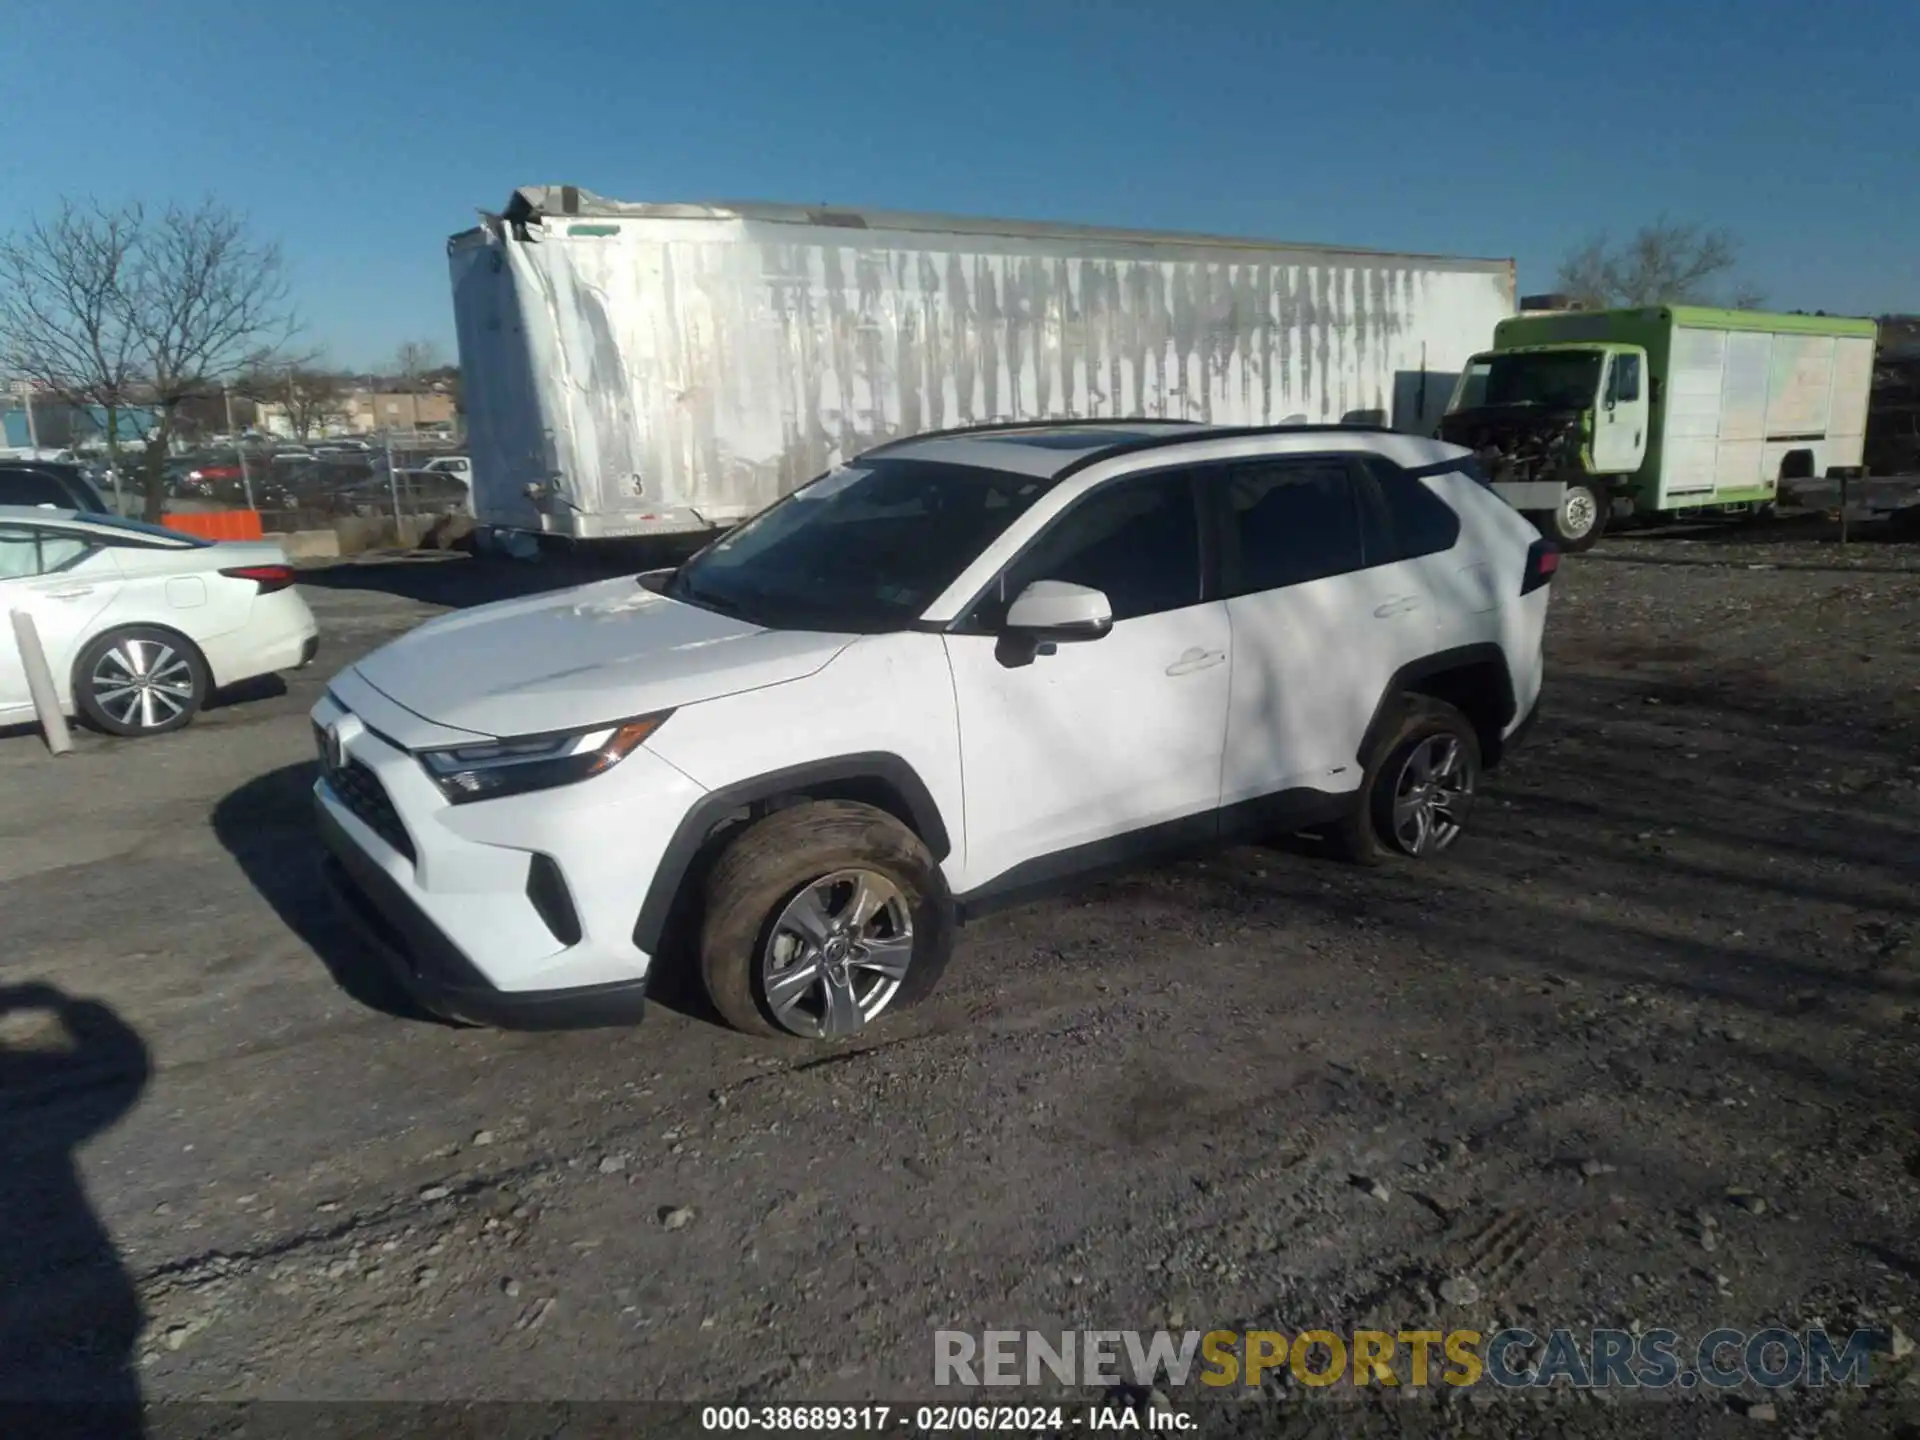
x=413, y=361
x=305, y=389
x=63, y=323
x=117, y=306
x=1665, y=263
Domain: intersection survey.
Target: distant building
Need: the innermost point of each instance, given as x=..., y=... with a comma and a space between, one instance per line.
x=58, y=425
x=368, y=411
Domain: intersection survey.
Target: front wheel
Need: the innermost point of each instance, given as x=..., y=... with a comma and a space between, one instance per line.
x=1579, y=520
x=821, y=917
x=140, y=680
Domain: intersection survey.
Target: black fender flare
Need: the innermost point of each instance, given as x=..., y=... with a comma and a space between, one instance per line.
x=1408, y=676
x=690, y=836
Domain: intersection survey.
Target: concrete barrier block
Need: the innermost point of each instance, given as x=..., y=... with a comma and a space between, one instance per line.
x=308, y=544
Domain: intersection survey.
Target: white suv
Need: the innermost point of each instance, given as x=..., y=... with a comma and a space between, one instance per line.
x=962, y=670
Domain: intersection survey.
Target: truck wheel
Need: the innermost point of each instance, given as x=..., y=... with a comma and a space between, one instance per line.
x=819, y=918
x=1579, y=522
x=1418, y=790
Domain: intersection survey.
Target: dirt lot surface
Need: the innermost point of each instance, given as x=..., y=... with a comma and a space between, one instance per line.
x=1643, y=1051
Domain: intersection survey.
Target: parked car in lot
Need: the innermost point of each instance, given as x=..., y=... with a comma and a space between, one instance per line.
x=52, y=484
x=458, y=466
x=141, y=624
x=952, y=674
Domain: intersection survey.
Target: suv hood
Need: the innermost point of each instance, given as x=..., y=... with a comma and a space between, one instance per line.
x=582, y=657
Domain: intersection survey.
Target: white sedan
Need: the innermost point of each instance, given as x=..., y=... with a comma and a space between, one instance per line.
x=141, y=624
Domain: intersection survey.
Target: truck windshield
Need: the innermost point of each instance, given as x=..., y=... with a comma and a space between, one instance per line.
x=1557, y=379
x=865, y=548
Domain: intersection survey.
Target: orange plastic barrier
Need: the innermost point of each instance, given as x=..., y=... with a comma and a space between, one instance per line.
x=217, y=524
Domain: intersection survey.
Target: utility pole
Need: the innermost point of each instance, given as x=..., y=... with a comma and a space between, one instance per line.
x=246, y=477
x=393, y=489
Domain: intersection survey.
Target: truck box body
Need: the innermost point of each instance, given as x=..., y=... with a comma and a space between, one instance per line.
x=1739, y=399
x=636, y=369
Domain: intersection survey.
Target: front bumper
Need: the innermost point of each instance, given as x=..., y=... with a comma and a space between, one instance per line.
x=430, y=967
x=496, y=911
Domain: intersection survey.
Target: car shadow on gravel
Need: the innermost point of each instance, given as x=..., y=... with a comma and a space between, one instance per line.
x=267, y=826
x=69, y=1311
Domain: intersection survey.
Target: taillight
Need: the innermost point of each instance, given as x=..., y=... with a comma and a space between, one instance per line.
x=1543, y=558
x=268, y=577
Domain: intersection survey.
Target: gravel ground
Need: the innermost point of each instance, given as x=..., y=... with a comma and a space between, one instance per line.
x=1641, y=1052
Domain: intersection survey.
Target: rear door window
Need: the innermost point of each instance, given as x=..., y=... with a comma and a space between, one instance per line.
x=27, y=551
x=1288, y=521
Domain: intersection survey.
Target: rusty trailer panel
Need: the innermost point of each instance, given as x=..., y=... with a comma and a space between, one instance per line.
x=642, y=368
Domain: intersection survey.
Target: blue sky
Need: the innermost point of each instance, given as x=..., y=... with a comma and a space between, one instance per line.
x=361, y=134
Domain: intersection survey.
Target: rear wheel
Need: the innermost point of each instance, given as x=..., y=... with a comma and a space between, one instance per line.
x=1418, y=790
x=821, y=917
x=140, y=680
x=1579, y=521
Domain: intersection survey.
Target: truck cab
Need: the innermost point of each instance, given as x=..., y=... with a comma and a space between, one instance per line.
x=1554, y=425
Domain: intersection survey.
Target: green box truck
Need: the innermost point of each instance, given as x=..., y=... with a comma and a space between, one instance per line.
x=1580, y=416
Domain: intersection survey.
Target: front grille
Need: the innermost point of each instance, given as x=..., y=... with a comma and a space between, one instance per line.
x=360, y=790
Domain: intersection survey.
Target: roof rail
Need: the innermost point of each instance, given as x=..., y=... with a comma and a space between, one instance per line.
x=995, y=427
x=1223, y=432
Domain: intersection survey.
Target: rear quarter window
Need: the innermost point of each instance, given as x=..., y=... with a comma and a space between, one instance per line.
x=1423, y=523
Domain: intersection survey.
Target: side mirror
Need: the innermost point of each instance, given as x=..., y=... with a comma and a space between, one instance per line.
x=1058, y=610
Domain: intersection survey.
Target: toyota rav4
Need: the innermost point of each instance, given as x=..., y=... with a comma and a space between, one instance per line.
x=955, y=673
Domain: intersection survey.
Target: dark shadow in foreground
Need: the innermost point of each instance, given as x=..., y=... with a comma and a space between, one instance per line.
x=267, y=826
x=69, y=1312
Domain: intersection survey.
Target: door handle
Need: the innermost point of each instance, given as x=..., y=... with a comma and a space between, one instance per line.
x=70, y=592
x=1399, y=605
x=1196, y=659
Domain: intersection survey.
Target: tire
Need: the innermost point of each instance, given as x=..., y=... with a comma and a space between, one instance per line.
x=1579, y=522
x=818, y=855
x=1371, y=831
x=163, y=670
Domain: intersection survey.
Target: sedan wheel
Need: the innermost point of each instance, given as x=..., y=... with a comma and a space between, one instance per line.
x=140, y=682
x=837, y=954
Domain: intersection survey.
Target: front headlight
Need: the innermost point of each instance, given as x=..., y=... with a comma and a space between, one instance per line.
x=535, y=762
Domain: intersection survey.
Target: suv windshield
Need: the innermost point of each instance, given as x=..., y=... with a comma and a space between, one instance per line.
x=866, y=547
x=1559, y=380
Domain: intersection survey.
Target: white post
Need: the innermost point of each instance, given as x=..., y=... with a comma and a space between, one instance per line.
x=33, y=430
x=246, y=479
x=46, y=701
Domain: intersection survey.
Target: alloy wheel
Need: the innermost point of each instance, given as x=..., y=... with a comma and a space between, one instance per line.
x=837, y=954
x=143, y=684
x=1431, y=794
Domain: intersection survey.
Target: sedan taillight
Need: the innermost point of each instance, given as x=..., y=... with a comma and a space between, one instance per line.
x=268, y=577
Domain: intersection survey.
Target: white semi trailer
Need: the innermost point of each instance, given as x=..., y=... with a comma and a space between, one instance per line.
x=652, y=369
